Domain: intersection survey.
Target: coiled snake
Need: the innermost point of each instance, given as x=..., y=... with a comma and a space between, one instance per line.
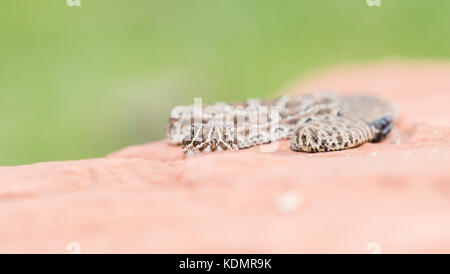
x=316, y=122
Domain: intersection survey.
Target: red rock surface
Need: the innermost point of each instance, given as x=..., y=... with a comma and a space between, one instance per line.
x=388, y=197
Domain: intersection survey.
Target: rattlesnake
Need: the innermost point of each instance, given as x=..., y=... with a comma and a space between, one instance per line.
x=316, y=122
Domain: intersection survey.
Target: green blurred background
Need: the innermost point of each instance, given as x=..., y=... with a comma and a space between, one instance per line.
x=80, y=82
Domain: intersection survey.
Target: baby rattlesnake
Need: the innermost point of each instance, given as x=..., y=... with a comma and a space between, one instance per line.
x=317, y=122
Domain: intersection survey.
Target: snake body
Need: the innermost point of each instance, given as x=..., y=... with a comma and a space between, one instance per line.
x=318, y=122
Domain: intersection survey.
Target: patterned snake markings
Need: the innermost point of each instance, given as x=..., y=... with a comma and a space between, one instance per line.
x=317, y=122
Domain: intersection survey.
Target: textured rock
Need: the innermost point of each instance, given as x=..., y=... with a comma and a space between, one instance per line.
x=388, y=197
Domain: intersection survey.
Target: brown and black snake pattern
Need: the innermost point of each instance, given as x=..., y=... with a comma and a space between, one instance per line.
x=317, y=122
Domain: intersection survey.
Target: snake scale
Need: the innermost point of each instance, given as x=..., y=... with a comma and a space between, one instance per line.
x=317, y=122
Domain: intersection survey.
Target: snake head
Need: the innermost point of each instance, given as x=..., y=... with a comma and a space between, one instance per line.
x=208, y=138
